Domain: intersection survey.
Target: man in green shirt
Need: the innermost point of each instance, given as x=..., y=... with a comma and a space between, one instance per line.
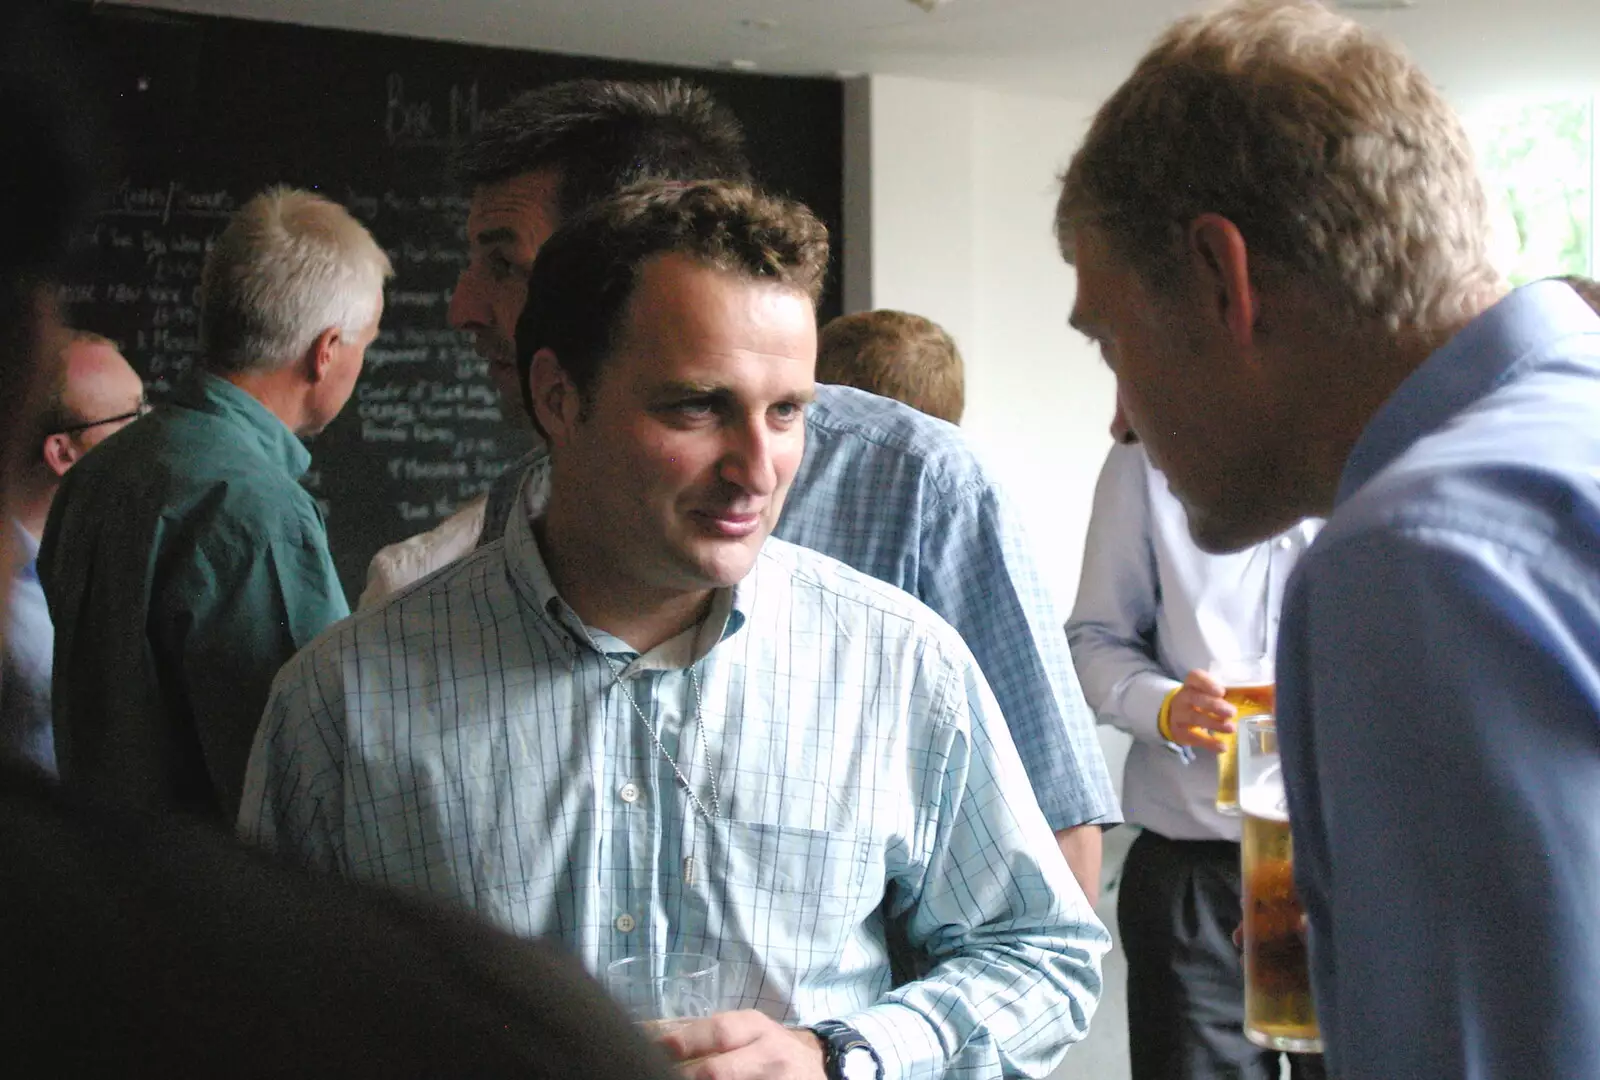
x=183, y=562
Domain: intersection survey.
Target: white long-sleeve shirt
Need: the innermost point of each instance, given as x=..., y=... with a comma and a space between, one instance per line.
x=1151, y=608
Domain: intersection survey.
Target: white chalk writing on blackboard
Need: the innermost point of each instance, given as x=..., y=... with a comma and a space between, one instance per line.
x=425, y=430
x=409, y=122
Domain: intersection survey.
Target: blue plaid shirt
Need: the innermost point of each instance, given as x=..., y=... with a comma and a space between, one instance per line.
x=468, y=740
x=902, y=497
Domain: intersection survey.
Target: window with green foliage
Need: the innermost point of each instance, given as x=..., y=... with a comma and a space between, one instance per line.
x=1538, y=163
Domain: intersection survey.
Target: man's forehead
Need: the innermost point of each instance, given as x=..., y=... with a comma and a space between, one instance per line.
x=1089, y=249
x=677, y=273
x=1094, y=272
x=91, y=357
x=98, y=374
x=515, y=208
x=679, y=296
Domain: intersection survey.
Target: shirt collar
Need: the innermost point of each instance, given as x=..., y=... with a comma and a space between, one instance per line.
x=28, y=565
x=1497, y=346
x=532, y=579
x=209, y=394
x=29, y=542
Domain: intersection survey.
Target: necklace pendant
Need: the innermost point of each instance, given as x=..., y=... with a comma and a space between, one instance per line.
x=688, y=870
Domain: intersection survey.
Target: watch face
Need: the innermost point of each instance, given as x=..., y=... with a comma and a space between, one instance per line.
x=858, y=1064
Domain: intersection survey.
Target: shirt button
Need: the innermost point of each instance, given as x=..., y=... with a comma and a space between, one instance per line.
x=629, y=792
x=1285, y=543
x=625, y=923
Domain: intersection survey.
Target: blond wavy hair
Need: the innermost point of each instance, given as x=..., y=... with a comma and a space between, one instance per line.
x=895, y=354
x=1322, y=142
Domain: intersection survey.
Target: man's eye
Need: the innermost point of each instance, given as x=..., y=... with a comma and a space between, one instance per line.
x=502, y=268
x=788, y=410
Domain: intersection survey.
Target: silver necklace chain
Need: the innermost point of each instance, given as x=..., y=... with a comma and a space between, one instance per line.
x=705, y=746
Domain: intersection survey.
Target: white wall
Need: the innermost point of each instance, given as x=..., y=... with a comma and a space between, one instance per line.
x=958, y=185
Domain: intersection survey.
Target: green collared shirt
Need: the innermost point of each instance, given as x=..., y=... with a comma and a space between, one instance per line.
x=184, y=564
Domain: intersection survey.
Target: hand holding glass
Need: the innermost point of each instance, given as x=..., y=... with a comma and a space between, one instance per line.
x=1248, y=687
x=663, y=991
x=1278, y=1011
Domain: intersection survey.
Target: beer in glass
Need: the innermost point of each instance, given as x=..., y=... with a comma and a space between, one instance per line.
x=1248, y=687
x=1278, y=1012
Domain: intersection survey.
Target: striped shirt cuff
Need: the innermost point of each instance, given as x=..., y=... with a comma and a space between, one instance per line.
x=908, y=1043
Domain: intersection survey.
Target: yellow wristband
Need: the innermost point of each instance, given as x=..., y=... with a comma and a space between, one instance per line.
x=1164, y=720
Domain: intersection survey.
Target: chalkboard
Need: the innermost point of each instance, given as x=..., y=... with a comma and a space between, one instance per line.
x=208, y=111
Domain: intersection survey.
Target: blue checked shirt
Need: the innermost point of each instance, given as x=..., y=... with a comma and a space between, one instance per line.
x=902, y=497
x=468, y=740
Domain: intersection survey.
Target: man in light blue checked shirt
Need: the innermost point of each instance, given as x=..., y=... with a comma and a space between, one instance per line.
x=902, y=497
x=882, y=488
x=639, y=725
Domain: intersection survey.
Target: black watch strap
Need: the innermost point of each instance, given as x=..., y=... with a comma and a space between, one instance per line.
x=845, y=1051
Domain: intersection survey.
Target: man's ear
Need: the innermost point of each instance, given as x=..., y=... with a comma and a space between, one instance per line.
x=553, y=395
x=1218, y=253
x=320, y=356
x=60, y=452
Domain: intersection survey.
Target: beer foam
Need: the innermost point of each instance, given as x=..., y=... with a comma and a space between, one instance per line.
x=1265, y=799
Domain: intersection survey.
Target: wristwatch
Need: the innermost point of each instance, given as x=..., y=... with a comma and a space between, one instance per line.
x=846, y=1054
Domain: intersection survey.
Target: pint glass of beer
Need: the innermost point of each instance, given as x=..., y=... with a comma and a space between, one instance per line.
x=1249, y=689
x=1278, y=1013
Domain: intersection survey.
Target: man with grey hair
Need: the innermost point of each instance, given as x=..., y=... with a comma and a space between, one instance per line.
x=1282, y=249
x=184, y=563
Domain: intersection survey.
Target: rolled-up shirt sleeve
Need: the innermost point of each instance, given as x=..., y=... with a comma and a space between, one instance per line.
x=1015, y=950
x=1109, y=631
x=293, y=785
x=977, y=570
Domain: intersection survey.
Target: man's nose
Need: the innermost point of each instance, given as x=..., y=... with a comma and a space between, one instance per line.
x=748, y=461
x=468, y=307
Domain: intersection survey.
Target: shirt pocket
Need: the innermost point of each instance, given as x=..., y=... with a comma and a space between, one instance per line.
x=795, y=895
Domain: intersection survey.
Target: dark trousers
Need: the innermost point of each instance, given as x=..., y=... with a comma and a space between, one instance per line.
x=1177, y=907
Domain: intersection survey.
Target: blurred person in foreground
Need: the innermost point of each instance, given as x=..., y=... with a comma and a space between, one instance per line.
x=1282, y=250
x=150, y=945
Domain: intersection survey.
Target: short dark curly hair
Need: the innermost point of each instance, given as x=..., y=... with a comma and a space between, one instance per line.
x=599, y=136
x=585, y=273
